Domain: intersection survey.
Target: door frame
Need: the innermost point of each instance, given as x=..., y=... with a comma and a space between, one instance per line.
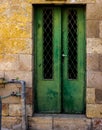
x=35, y=49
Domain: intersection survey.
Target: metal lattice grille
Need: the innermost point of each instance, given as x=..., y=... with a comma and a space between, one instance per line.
x=47, y=44
x=72, y=44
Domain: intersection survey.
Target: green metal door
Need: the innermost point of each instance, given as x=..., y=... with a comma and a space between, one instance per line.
x=59, y=60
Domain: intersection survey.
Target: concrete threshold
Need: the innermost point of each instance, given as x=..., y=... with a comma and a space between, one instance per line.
x=59, y=122
x=61, y=115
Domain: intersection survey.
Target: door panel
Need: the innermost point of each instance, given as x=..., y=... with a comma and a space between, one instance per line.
x=48, y=80
x=59, y=60
x=73, y=84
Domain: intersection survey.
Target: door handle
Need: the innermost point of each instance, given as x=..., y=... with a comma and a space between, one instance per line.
x=63, y=55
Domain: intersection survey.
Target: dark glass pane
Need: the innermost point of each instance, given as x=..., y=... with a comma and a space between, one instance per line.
x=72, y=44
x=47, y=44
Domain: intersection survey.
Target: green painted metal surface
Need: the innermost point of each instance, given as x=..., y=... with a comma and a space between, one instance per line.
x=60, y=94
x=48, y=93
x=74, y=89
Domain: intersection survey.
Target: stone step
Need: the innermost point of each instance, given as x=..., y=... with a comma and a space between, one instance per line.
x=5, y=129
x=60, y=122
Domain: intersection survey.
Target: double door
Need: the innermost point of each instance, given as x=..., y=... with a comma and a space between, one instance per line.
x=59, y=59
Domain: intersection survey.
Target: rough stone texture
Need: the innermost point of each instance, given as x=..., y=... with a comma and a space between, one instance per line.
x=59, y=122
x=94, y=11
x=100, y=63
x=97, y=124
x=5, y=129
x=16, y=16
x=8, y=89
x=9, y=122
x=16, y=47
x=5, y=109
x=98, y=95
x=8, y=62
x=1, y=74
x=93, y=62
x=25, y=62
x=92, y=28
x=40, y=123
x=94, y=110
x=90, y=94
x=29, y=109
x=29, y=96
x=22, y=75
x=94, y=79
x=15, y=110
x=17, y=127
x=94, y=45
x=72, y=124
x=100, y=31
x=19, y=30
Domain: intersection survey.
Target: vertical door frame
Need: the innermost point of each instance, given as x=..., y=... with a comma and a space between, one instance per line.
x=35, y=49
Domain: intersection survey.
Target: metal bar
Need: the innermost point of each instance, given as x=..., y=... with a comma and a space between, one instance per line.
x=23, y=99
x=3, y=97
x=16, y=94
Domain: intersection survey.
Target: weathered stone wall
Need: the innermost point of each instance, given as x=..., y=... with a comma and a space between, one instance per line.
x=16, y=57
x=94, y=59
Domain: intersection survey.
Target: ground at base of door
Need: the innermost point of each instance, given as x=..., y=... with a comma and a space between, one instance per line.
x=60, y=122
x=64, y=122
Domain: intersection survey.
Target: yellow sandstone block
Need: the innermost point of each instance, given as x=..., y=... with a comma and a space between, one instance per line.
x=14, y=2
x=8, y=122
x=8, y=62
x=29, y=10
x=3, y=18
x=22, y=13
x=5, y=109
x=3, y=7
x=1, y=58
x=15, y=46
x=20, y=30
x=15, y=30
x=1, y=48
x=18, y=17
x=8, y=58
x=90, y=95
x=5, y=30
x=94, y=110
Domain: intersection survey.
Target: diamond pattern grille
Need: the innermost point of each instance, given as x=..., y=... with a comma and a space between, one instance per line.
x=72, y=44
x=47, y=43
